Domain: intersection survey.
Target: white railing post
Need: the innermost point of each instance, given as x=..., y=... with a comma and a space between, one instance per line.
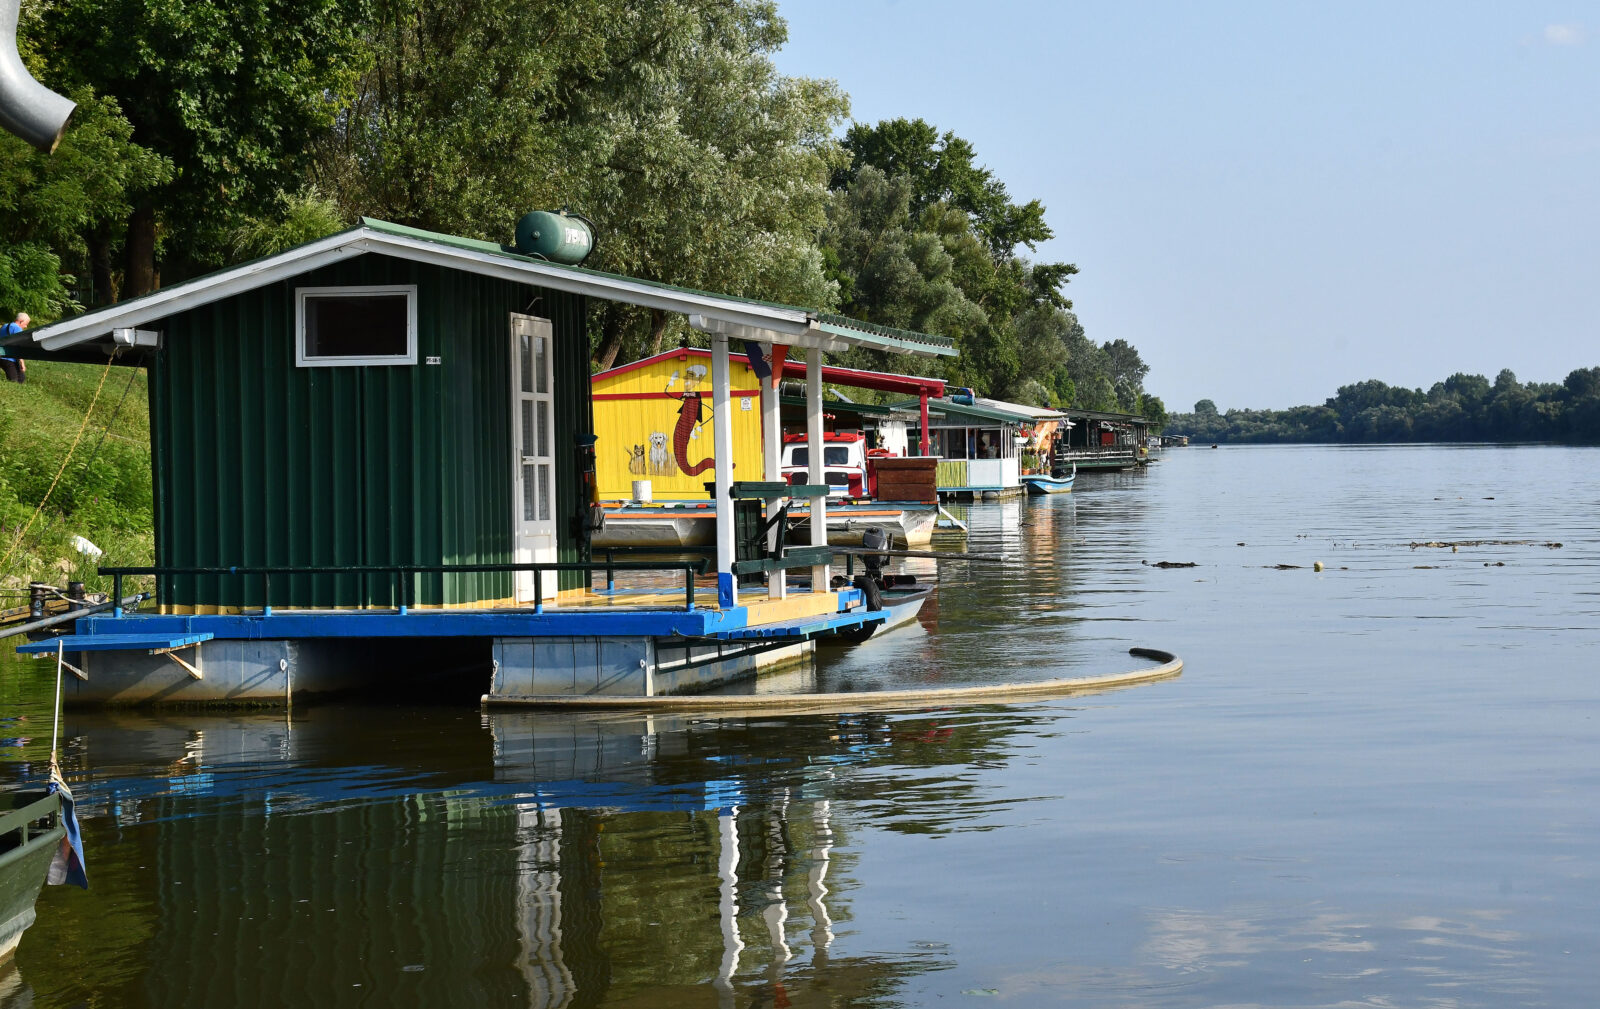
x=722, y=451
x=772, y=460
x=819, y=505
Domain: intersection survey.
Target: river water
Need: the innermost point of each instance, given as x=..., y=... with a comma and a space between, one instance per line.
x=1377, y=785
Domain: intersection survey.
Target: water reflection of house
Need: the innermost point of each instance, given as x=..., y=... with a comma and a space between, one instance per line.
x=542, y=861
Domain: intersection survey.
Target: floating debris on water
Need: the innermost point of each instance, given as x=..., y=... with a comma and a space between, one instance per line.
x=1283, y=567
x=1452, y=544
x=1171, y=564
x=1496, y=564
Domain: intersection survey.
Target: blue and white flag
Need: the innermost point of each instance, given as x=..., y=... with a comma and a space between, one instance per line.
x=67, y=866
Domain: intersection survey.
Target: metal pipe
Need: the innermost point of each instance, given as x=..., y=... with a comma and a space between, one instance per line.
x=61, y=618
x=27, y=108
x=912, y=699
x=944, y=555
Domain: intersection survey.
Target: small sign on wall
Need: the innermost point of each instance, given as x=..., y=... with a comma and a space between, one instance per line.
x=433, y=359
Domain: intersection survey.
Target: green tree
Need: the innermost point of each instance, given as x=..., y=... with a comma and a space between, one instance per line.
x=301, y=217
x=1154, y=411
x=229, y=94
x=62, y=209
x=941, y=169
x=888, y=271
x=1016, y=338
x=664, y=121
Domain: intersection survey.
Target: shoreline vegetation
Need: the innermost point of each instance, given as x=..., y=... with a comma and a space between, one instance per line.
x=103, y=494
x=1462, y=408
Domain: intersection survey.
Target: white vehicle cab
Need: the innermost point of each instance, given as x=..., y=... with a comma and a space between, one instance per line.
x=844, y=462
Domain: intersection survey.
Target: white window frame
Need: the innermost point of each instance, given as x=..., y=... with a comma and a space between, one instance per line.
x=301, y=360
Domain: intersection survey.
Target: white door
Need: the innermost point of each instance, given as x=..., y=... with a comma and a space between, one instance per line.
x=533, y=446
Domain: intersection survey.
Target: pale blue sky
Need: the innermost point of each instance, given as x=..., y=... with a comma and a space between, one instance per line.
x=1270, y=200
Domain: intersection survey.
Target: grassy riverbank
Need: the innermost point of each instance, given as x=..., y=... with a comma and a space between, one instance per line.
x=103, y=493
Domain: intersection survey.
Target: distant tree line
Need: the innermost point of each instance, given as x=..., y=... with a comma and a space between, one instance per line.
x=1461, y=408
x=209, y=134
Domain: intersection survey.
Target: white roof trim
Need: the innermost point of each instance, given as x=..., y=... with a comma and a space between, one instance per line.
x=1021, y=409
x=810, y=338
x=790, y=325
x=97, y=324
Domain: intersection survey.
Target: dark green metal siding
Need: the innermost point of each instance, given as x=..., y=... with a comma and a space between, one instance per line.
x=260, y=462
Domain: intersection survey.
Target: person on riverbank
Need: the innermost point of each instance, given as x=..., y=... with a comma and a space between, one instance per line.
x=15, y=368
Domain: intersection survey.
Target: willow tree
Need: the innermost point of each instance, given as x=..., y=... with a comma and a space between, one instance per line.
x=664, y=121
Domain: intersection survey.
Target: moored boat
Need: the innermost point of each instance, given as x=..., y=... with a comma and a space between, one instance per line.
x=901, y=603
x=693, y=523
x=1040, y=483
x=31, y=830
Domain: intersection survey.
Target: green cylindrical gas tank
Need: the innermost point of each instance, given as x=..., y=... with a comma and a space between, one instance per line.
x=560, y=238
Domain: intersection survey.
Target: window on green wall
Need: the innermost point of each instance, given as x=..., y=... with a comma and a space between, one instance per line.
x=352, y=326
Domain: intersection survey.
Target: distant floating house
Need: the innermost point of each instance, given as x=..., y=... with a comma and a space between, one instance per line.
x=979, y=442
x=1099, y=440
x=378, y=446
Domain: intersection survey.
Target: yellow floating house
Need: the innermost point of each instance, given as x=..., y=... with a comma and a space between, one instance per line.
x=653, y=421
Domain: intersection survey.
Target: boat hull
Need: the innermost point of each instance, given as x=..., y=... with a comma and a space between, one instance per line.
x=1038, y=483
x=902, y=605
x=24, y=864
x=911, y=525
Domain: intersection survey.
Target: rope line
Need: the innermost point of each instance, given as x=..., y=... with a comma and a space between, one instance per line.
x=133, y=373
x=64, y=463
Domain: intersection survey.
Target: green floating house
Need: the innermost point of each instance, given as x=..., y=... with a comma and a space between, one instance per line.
x=378, y=447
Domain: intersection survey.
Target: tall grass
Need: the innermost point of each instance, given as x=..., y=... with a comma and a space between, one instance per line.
x=103, y=494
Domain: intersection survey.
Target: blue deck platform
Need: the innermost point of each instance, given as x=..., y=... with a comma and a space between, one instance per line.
x=100, y=632
x=114, y=642
x=601, y=644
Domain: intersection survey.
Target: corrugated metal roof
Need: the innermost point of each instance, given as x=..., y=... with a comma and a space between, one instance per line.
x=1020, y=409
x=946, y=408
x=888, y=338
x=733, y=316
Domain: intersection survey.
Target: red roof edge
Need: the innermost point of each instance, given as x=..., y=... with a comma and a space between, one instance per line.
x=853, y=378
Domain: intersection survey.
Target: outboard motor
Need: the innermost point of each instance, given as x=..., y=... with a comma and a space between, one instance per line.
x=875, y=538
x=27, y=108
x=871, y=583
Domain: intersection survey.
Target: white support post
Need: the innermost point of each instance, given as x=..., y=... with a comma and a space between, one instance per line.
x=772, y=466
x=722, y=451
x=819, y=505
